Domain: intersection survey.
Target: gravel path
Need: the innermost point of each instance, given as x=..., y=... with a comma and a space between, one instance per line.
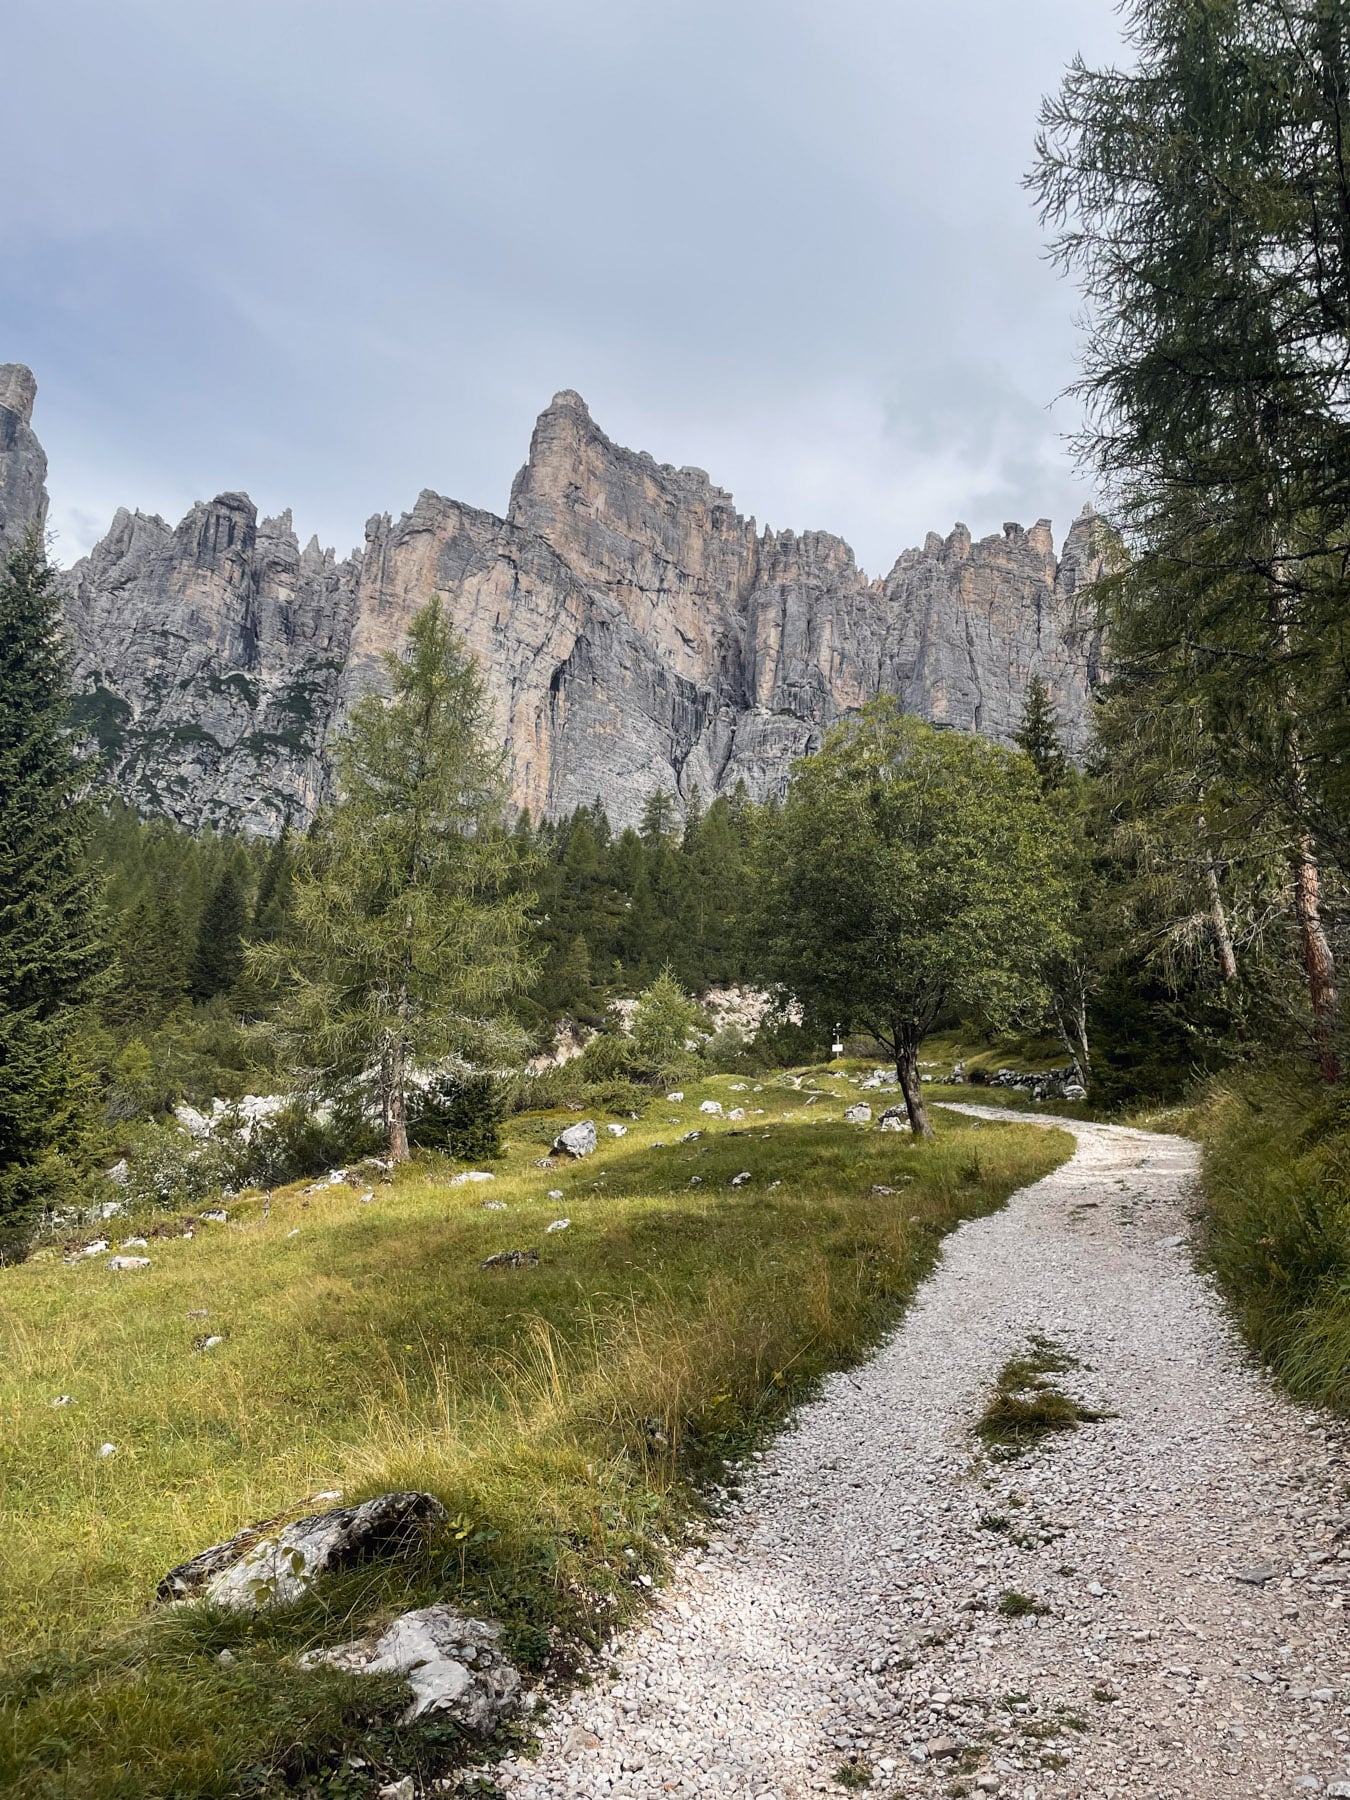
x=846, y=1611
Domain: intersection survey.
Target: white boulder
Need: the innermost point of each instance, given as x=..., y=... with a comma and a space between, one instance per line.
x=578, y=1140
x=453, y=1665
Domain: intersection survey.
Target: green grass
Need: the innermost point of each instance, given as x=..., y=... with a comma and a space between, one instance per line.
x=1027, y=1054
x=1277, y=1190
x=1013, y=1605
x=1026, y=1408
x=567, y=1414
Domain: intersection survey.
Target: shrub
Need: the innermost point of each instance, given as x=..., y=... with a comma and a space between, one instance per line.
x=461, y=1115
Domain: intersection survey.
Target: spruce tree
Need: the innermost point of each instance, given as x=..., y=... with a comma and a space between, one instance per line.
x=149, y=970
x=1037, y=735
x=49, y=949
x=218, y=960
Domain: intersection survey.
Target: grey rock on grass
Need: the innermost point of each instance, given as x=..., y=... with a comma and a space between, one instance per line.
x=578, y=1140
x=274, y=1564
x=453, y=1665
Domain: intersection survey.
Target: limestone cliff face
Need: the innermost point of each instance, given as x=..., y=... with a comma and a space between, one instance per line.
x=634, y=629
x=23, y=465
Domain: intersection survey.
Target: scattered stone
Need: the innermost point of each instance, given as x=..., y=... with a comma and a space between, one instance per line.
x=107, y=1449
x=495, y=1206
x=134, y=1244
x=63, y=1400
x=712, y=1107
x=97, y=1248
x=1074, y=1090
x=943, y=1746
x=216, y=1216
x=208, y=1343
x=1258, y=1575
x=511, y=1259
x=471, y=1175
x=560, y=1225
x=691, y=1137
x=555, y=1193
x=617, y=1131
x=895, y=1118
x=861, y=1114
x=119, y=1174
x=274, y=1564
x=741, y=1179
x=577, y=1140
x=879, y=1188
x=737, y=1112
x=226, y=1656
x=676, y=1097
x=453, y=1665
x=366, y=1198
x=128, y=1262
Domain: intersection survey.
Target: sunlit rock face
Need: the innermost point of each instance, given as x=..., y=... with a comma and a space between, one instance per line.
x=635, y=632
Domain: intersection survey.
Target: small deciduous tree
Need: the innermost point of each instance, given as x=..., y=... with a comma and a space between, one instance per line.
x=408, y=923
x=912, y=870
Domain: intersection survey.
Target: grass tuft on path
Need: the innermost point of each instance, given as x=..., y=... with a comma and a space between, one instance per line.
x=1025, y=1408
x=568, y=1414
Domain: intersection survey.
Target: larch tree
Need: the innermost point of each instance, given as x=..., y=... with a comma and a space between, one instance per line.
x=409, y=926
x=1200, y=198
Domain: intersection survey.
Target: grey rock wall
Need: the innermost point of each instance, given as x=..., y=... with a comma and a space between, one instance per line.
x=634, y=629
x=23, y=463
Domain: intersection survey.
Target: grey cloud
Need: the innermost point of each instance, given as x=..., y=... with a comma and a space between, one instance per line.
x=336, y=251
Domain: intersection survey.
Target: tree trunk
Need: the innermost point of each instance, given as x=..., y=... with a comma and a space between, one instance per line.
x=1218, y=918
x=395, y=1103
x=1071, y=1018
x=1317, y=959
x=907, y=1074
x=1223, y=938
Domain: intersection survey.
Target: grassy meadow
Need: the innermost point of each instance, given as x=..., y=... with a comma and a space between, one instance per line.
x=567, y=1414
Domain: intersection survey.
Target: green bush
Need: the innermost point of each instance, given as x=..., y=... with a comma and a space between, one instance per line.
x=460, y=1115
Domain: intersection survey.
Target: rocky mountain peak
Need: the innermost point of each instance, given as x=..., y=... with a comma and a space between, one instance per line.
x=635, y=631
x=18, y=390
x=23, y=463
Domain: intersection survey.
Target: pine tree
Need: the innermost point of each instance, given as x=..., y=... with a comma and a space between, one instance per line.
x=269, y=905
x=659, y=817
x=409, y=926
x=218, y=960
x=1038, y=736
x=149, y=978
x=49, y=949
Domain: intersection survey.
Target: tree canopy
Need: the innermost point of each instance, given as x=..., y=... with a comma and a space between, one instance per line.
x=913, y=870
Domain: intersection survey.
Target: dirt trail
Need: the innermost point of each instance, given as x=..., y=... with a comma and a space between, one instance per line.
x=846, y=1615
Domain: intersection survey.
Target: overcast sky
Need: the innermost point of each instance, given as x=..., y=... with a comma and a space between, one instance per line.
x=335, y=251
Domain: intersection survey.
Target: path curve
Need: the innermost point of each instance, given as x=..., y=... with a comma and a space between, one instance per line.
x=846, y=1608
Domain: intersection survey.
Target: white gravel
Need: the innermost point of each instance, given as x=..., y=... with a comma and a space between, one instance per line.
x=847, y=1605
